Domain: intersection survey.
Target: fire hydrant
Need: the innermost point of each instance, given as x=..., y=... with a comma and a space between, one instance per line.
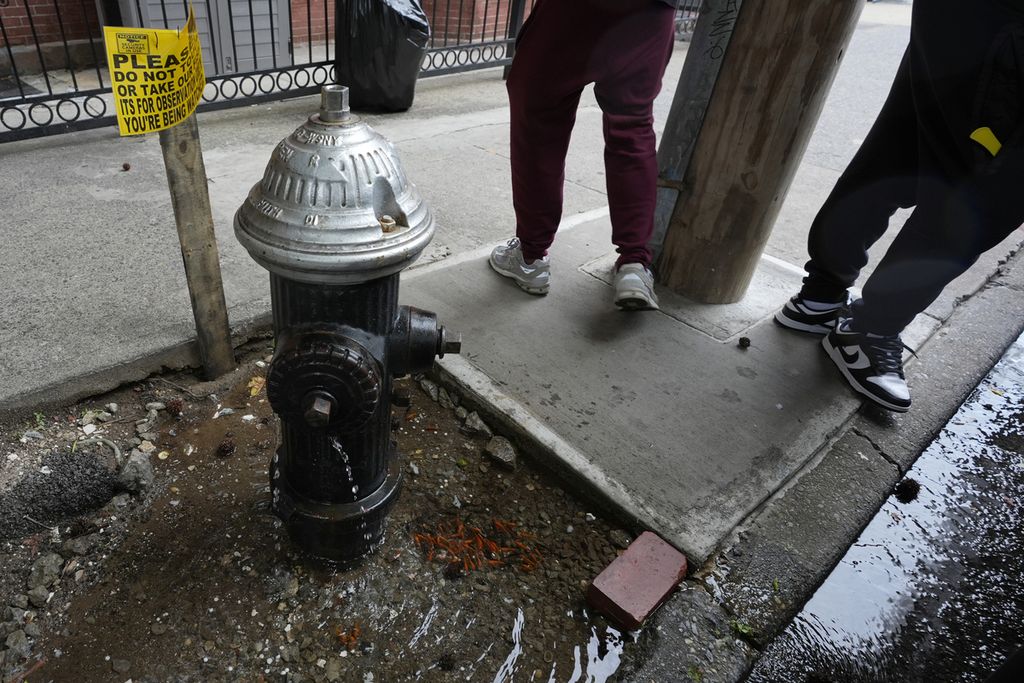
x=335, y=220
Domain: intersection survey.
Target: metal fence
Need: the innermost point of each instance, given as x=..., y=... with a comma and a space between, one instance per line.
x=54, y=79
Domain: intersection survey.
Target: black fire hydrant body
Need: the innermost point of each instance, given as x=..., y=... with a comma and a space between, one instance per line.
x=334, y=220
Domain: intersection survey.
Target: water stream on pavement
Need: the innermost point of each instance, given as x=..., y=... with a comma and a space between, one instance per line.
x=932, y=590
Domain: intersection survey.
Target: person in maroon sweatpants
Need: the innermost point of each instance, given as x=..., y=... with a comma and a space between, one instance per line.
x=622, y=47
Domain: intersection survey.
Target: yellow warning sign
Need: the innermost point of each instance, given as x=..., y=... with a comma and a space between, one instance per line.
x=157, y=75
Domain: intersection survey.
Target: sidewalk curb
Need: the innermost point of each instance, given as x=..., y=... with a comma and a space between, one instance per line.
x=545, y=448
x=177, y=356
x=776, y=559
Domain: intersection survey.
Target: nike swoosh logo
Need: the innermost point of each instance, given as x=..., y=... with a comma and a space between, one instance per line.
x=855, y=360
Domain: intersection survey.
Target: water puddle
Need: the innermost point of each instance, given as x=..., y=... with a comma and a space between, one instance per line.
x=931, y=591
x=479, y=579
x=598, y=667
x=508, y=667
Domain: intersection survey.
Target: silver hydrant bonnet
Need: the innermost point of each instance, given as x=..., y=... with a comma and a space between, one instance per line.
x=316, y=216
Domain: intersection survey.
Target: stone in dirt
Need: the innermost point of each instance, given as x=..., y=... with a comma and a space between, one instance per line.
x=80, y=545
x=156, y=405
x=94, y=416
x=38, y=596
x=20, y=601
x=45, y=570
x=120, y=666
x=147, y=447
x=18, y=645
x=500, y=450
x=475, y=426
x=461, y=413
x=620, y=539
x=137, y=474
x=446, y=400
x=431, y=389
x=333, y=669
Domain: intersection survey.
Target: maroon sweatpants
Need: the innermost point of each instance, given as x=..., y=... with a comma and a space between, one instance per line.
x=564, y=46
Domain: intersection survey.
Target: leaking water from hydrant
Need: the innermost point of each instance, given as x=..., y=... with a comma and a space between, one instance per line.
x=201, y=582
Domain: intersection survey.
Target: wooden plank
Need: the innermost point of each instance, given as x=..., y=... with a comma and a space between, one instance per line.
x=190, y=198
x=782, y=58
x=704, y=58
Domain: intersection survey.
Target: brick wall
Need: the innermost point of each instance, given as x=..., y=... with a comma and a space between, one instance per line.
x=451, y=21
x=309, y=21
x=464, y=21
x=44, y=14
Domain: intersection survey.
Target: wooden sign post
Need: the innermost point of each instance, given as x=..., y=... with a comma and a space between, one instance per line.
x=158, y=81
x=190, y=197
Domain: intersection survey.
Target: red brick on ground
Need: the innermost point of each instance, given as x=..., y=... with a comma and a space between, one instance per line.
x=638, y=581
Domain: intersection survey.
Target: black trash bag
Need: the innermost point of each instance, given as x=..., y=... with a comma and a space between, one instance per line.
x=379, y=50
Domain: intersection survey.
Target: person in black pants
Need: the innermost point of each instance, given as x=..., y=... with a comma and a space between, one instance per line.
x=949, y=141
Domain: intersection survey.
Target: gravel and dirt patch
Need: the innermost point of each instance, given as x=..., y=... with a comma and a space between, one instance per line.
x=137, y=544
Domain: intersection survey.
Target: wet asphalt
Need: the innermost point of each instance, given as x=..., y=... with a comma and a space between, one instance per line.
x=932, y=589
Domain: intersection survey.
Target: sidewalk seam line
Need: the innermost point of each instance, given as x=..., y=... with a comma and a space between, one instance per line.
x=878, y=449
x=481, y=253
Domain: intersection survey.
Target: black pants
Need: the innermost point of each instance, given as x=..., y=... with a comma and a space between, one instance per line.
x=964, y=69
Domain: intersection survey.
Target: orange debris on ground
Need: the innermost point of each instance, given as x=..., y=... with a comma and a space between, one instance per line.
x=350, y=638
x=466, y=548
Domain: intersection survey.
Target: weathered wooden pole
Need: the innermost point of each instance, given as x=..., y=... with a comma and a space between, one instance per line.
x=779, y=65
x=704, y=58
x=190, y=198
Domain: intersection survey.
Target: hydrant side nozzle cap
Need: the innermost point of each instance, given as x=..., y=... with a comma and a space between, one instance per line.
x=448, y=342
x=334, y=106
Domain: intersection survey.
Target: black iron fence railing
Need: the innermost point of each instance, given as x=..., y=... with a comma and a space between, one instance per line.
x=54, y=79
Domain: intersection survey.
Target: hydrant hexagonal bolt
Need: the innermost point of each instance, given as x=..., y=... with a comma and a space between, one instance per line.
x=340, y=335
x=447, y=343
x=318, y=410
x=334, y=104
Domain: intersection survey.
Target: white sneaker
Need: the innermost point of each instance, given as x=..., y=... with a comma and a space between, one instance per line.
x=507, y=260
x=798, y=315
x=634, y=288
x=871, y=364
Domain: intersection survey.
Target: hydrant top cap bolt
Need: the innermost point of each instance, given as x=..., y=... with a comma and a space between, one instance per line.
x=334, y=104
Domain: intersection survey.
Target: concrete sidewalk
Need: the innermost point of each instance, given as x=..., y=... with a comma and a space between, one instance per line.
x=659, y=415
x=91, y=266
x=649, y=402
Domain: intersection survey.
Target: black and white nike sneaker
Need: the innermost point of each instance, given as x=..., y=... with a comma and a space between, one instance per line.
x=797, y=315
x=872, y=365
